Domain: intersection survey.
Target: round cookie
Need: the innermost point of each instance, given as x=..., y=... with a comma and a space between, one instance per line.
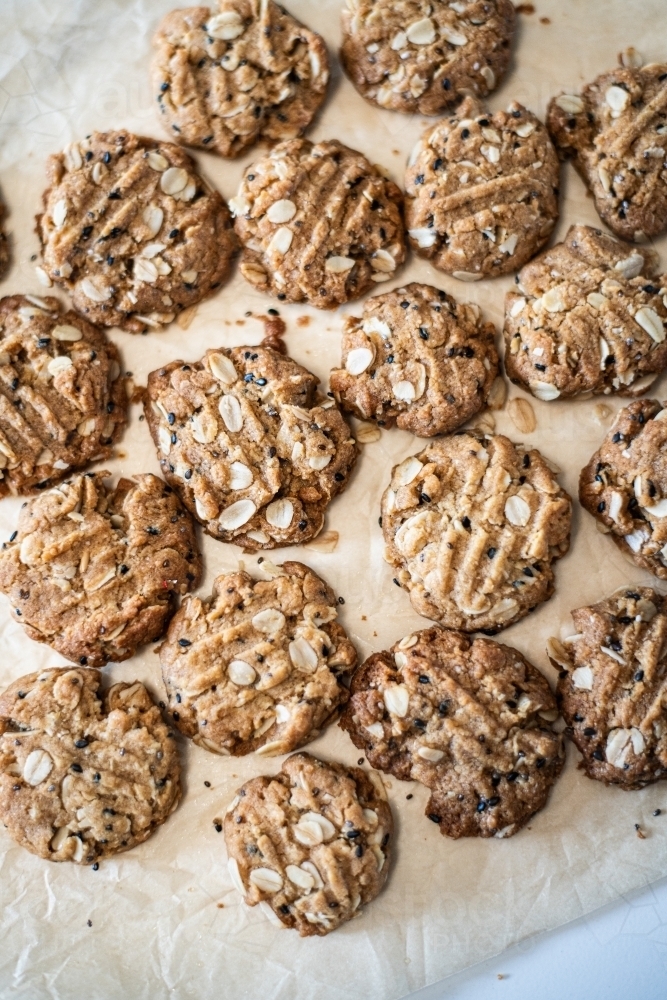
x=318, y=223
x=84, y=775
x=312, y=842
x=586, y=316
x=62, y=401
x=251, y=452
x=481, y=191
x=132, y=231
x=615, y=133
x=418, y=359
x=260, y=666
x=472, y=526
x=468, y=718
x=612, y=687
x=423, y=56
x=221, y=86
x=94, y=571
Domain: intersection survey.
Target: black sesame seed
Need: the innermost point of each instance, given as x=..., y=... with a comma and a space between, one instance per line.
x=601, y=506
x=83, y=660
x=184, y=642
x=491, y=552
x=481, y=806
x=124, y=569
x=80, y=744
x=512, y=776
x=423, y=679
x=598, y=755
x=434, y=817
x=639, y=676
x=589, y=731
x=465, y=133
x=76, y=768
x=218, y=827
x=423, y=333
x=341, y=600
x=339, y=477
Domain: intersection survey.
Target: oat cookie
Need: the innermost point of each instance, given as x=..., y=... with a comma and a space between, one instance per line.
x=83, y=774
x=423, y=56
x=482, y=191
x=468, y=718
x=132, y=231
x=243, y=439
x=318, y=223
x=612, y=689
x=313, y=842
x=586, y=316
x=62, y=402
x=615, y=133
x=226, y=79
x=260, y=666
x=418, y=359
x=472, y=525
x=94, y=571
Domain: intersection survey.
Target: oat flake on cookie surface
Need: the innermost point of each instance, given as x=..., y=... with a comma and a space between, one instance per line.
x=132, y=230
x=472, y=526
x=313, y=842
x=84, y=774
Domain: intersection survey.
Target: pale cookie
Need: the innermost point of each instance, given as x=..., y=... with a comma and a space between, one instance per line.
x=225, y=80
x=470, y=719
x=472, y=526
x=313, y=843
x=586, y=316
x=612, y=687
x=423, y=56
x=132, y=231
x=260, y=666
x=418, y=359
x=95, y=571
x=62, y=401
x=251, y=452
x=83, y=775
x=318, y=223
x=615, y=132
x=482, y=191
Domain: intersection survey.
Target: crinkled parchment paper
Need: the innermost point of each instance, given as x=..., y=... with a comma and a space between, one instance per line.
x=166, y=921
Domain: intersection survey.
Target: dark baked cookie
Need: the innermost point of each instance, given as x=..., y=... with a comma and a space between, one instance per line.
x=252, y=453
x=132, y=231
x=94, y=571
x=318, y=223
x=249, y=72
x=418, y=359
x=472, y=525
x=313, y=842
x=83, y=775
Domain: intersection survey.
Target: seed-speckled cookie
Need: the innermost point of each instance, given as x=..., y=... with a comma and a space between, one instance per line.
x=586, y=316
x=132, y=231
x=615, y=132
x=83, y=775
x=468, y=718
x=612, y=687
x=94, y=571
x=418, y=359
x=260, y=666
x=313, y=842
x=472, y=526
x=243, y=439
x=226, y=79
x=482, y=191
x=423, y=56
x=318, y=223
x=62, y=402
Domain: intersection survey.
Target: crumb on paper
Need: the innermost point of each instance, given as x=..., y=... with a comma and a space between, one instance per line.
x=139, y=394
x=274, y=331
x=525, y=8
x=545, y=20
x=119, y=453
x=240, y=322
x=640, y=832
x=364, y=618
x=303, y=321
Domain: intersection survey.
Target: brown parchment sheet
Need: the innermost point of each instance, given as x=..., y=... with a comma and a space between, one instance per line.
x=164, y=920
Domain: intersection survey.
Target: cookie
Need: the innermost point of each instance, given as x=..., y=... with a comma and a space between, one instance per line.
x=422, y=57
x=612, y=689
x=481, y=191
x=417, y=359
x=586, y=316
x=132, y=231
x=318, y=223
x=313, y=842
x=468, y=718
x=84, y=775
x=94, y=571
x=473, y=525
x=224, y=81
x=260, y=666
x=615, y=133
x=62, y=401
x=251, y=452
